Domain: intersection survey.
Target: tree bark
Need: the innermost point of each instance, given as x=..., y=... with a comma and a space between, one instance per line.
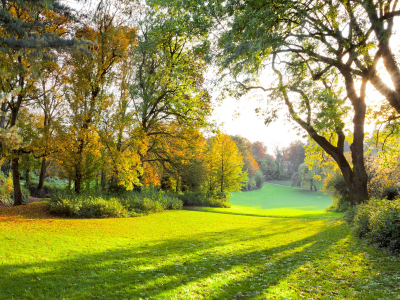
x=16, y=182
x=78, y=180
x=42, y=176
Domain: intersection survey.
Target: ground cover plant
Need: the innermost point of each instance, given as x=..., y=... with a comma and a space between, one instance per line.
x=273, y=200
x=187, y=255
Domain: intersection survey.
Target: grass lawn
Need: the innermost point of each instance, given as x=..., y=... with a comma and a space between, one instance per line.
x=289, y=183
x=187, y=255
x=273, y=200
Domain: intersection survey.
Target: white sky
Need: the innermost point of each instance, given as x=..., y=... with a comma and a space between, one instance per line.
x=250, y=126
x=239, y=117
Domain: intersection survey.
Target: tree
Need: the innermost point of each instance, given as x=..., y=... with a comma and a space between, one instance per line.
x=294, y=156
x=224, y=163
x=309, y=176
x=28, y=29
x=26, y=24
x=86, y=88
x=259, y=151
x=311, y=47
x=245, y=147
x=167, y=93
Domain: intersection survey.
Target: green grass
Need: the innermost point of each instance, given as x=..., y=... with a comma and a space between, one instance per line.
x=289, y=183
x=187, y=255
x=273, y=200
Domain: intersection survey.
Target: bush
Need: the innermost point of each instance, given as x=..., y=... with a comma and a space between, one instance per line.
x=103, y=205
x=390, y=193
x=259, y=178
x=83, y=206
x=379, y=222
x=204, y=199
x=350, y=214
x=337, y=185
x=340, y=205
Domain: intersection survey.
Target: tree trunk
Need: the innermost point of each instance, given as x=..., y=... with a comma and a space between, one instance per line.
x=78, y=179
x=17, y=185
x=103, y=180
x=42, y=176
x=3, y=116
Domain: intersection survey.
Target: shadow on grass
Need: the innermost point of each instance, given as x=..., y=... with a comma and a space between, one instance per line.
x=321, y=216
x=214, y=266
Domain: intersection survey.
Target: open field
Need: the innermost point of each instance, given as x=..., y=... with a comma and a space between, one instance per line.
x=194, y=254
x=272, y=200
x=187, y=255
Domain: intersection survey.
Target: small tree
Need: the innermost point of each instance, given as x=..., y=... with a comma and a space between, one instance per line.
x=224, y=164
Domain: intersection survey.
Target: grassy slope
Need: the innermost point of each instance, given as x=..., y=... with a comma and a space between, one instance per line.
x=289, y=183
x=187, y=255
x=273, y=200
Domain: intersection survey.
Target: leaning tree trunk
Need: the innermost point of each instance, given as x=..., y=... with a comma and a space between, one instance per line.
x=16, y=182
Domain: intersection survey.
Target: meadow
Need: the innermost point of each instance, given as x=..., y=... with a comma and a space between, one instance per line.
x=193, y=255
x=273, y=200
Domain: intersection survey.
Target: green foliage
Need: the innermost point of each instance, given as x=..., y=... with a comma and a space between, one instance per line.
x=87, y=207
x=296, y=182
x=339, y=205
x=379, y=222
x=259, y=178
x=101, y=205
x=7, y=191
x=390, y=193
x=201, y=199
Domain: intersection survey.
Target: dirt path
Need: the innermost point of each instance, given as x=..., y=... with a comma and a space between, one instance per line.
x=31, y=200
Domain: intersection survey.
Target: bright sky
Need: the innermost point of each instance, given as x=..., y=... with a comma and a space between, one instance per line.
x=239, y=117
x=249, y=125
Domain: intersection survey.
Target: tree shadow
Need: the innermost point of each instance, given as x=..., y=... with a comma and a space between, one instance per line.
x=213, y=266
x=319, y=216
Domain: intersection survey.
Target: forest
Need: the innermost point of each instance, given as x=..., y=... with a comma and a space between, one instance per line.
x=107, y=114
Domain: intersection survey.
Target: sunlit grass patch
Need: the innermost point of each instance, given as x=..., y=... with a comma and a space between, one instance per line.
x=187, y=255
x=272, y=200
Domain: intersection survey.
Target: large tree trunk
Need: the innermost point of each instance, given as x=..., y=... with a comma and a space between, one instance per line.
x=78, y=179
x=42, y=176
x=15, y=160
x=16, y=182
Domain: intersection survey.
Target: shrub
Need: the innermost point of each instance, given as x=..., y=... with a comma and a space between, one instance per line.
x=340, y=205
x=259, y=178
x=337, y=185
x=204, y=199
x=390, y=193
x=86, y=207
x=102, y=205
x=350, y=214
x=379, y=222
